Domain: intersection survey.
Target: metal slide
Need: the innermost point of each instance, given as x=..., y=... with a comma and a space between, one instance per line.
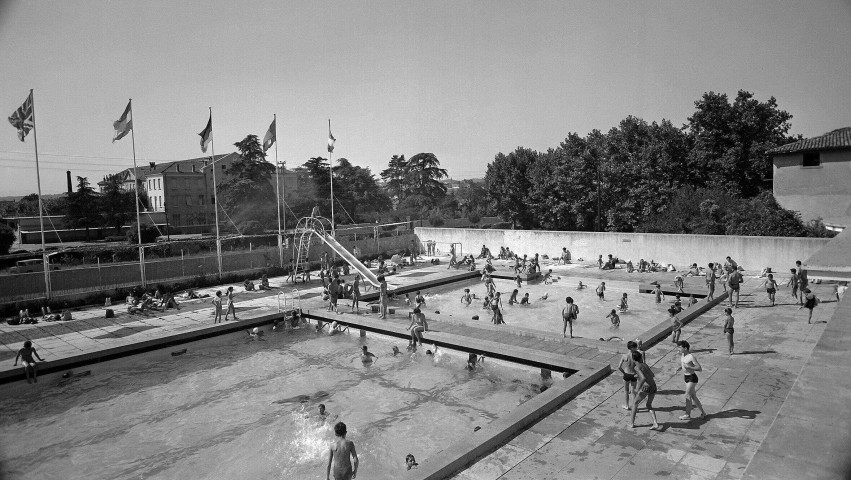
x=367, y=274
x=309, y=226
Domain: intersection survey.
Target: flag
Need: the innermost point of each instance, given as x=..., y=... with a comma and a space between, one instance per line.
x=271, y=137
x=207, y=134
x=331, y=139
x=124, y=124
x=22, y=118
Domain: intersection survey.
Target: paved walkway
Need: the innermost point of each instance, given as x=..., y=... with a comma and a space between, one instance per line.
x=589, y=437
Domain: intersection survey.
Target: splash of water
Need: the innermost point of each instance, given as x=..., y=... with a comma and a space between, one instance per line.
x=310, y=439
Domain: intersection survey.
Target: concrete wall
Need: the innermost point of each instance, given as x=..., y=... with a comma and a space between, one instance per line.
x=753, y=253
x=823, y=191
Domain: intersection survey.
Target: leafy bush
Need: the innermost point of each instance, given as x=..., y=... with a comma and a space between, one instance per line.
x=149, y=233
x=7, y=238
x=435, y=220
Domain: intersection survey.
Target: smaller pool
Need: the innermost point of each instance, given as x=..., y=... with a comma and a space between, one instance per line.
x=546, y=303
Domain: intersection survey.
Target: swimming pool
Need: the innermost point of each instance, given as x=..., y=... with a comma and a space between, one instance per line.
x=234, y=408
x=543, y=313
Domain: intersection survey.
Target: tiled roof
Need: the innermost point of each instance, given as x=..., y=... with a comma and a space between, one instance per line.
x=835, y=140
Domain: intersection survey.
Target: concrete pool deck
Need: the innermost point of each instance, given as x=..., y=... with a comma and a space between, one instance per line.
x=586, y=437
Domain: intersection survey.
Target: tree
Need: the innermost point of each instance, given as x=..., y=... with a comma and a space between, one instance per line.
x=473, y=198
x=763, y=216
x=644, y=166
x=248, y=192
x=82, y=207
x=319, y=172
x=358, y=192
x=423, y=175
x=116, y=206
x=150, y=233
x=731, y=140
x=508, y=185
x=7, y=238
x=394, y=176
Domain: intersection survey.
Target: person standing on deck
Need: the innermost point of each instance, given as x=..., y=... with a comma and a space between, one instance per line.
x=710, y=282
x=382, y=297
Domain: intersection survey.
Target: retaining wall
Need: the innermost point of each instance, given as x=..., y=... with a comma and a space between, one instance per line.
x=752, y=253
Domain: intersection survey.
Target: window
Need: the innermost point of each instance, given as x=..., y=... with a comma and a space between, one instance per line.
x=200, y=199
x=212, y=200
x=188, y=200
x=812, y=159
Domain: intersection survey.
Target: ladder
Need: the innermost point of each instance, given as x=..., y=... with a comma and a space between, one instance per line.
x=306, y=228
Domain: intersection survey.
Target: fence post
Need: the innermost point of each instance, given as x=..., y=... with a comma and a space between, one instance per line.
x=250, y=256
x=100, y=280
x=182, y=264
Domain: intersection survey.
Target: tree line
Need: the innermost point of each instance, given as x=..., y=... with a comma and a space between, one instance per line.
x=712, y=176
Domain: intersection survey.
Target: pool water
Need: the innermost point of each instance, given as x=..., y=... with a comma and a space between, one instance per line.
x=545, y=314
x=236, y=408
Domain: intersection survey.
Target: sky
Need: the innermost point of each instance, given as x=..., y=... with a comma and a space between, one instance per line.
x=464, y=80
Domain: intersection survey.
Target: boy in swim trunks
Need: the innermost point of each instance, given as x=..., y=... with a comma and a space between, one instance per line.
x=338, y=456
x=710, y=282
x=770, y=287
x=627, y=368
x=676, y=324
x=810, y=302
x=366, y=356
x=689, y=364
x=26, y=356
x=568, y=315
x=734, y=280
x=466, y=299
x=645, y=387
x=728, y=327
x=601, y=291
x=660, y=295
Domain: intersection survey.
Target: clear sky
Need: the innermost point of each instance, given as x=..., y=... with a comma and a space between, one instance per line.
x=462, y=79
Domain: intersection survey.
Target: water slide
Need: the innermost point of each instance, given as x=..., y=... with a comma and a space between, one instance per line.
x=349, y=258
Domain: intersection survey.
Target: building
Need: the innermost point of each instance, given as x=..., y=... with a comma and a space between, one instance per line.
x=183, y=190
x=813, y=177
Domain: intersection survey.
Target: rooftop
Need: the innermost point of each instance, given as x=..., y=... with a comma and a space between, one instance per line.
x=836, y=140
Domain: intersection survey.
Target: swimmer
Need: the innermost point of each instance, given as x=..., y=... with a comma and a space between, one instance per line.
x=518, y=281
x=525, y=299
x=601, y=290
x=366, y=356
x=616, y=320
x=410, y=461
x=396, y=350
x=473, y=360
x=466, y=299
x=338, y=456
x=580, y=286
x=624, y=306
x=255, y=333
x=660, y=295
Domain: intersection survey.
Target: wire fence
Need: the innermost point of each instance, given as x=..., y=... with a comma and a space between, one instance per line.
x=89, y=270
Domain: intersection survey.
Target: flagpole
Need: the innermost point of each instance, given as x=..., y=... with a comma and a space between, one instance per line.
x=278, y=193
x=44, y=258
x=331, y=174
x=136, y=190
x=215, y=197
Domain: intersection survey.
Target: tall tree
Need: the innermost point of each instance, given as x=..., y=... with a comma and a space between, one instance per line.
x=116, y=206
x=319, y=172
x=508, y=185
x=423, y=177
x=731, y=140
x=82, y=207
x=248, y=193
x=394, y=176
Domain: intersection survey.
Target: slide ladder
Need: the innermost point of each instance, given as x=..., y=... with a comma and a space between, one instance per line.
x=310, y=226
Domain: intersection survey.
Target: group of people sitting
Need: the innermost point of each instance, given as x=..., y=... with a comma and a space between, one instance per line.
x=264, y=284
x=151, y=301
x=24, y=317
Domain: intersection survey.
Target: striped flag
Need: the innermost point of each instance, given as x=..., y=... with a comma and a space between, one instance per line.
x=331, y=139
x=271, y=136
x=207, y=134
x=124, y=124
x=22, y=118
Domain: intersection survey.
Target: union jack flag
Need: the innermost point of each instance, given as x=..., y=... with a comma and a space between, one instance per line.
x=22, y=118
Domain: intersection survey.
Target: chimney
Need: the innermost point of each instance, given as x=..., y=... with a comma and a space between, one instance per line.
x=178, y=168
x=68, y=178
x=153, y=165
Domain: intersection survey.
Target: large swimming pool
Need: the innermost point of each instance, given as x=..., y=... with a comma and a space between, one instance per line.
x=234, y=408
